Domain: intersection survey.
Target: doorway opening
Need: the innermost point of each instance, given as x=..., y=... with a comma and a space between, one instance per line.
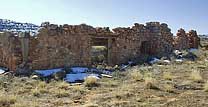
x=146, y=48
x=99, y=51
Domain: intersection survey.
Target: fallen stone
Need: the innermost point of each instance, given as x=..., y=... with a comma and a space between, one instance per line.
x=179, y=60
x=35, y=77
x=108, y=76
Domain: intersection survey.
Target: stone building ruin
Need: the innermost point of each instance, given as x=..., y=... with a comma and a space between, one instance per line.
x=70, y=45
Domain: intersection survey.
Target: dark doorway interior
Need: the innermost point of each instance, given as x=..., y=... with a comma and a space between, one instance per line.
x=146, y=48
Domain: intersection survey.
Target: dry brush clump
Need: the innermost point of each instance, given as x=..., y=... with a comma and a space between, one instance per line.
x=168, y=88
x=7, y=101
x=136, y=75
x=196, y=76
x=206, y=87
x=63, y=85
x=150, y=83
x=91, y=81
x=167, y=76
x=60, y=93
x=36, y=92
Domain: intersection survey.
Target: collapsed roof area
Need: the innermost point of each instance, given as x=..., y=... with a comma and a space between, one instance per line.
x=70, y=45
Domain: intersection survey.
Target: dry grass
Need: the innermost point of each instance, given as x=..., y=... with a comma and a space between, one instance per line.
x=168, y=88
x=61, y=93
x=136, y=75
x=206, y=87
x=196, y=76
x=91, y=82
x=63, y=85
x=168, y=75
x=41, y=84
x=7, y=101
x=132, y=88
x=150, y=83
x=35, y=92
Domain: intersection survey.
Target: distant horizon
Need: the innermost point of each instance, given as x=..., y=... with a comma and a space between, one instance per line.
x=186, y=14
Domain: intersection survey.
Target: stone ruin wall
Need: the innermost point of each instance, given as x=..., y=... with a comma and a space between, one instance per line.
x=70, y=45
x=185, y=40
x=10, y=50
x=129, y=42
x=59, y=46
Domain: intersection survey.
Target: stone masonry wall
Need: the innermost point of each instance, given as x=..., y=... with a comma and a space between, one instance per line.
x=70, y=45
x=60, y=46
x=10, y=50
x=129, y=42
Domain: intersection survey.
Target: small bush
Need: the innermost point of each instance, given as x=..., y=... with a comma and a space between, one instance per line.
x=42, y=84
x=91, y=82
x=63, y=85
x=61, y=93
x=7, y=101
x=36, y=92
x=196, y=76
x=167, y=76
x=136, y=75
x=150, y=83
x=168, y=88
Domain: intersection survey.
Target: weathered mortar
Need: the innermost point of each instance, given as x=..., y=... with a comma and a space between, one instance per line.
x=70, y=45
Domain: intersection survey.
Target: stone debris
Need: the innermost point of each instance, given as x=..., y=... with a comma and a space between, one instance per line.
x=105, y=75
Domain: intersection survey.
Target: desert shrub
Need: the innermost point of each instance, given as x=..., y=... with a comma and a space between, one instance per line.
x=150, y=83
x=63, y=85
x=35, y=92
x=167, y=76
x=61, y=93
x=7, y=101
x=41, y=84
x=136, y=75
x=168, y=88
x=91, y=82
x=196, y=76
x=22, y=90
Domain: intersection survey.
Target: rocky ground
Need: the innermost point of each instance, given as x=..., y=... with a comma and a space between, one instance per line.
x=181, y=84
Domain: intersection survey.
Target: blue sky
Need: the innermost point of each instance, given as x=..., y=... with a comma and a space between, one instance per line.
x=187, y=14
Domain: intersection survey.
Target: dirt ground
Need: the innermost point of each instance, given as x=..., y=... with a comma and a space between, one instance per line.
x=173, y=85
